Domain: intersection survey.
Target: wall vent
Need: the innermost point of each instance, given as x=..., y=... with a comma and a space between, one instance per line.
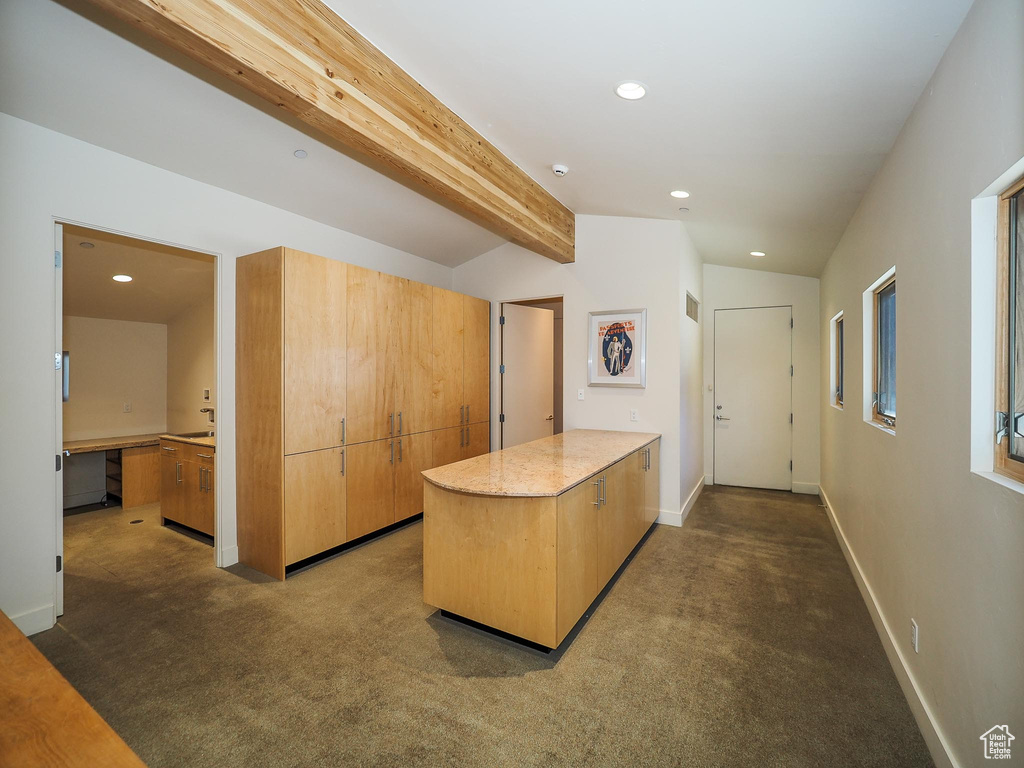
x=691, y=307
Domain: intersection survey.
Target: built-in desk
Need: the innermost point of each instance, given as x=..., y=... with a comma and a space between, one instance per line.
x=131, y=467
x=523, y=540
x=45, y=721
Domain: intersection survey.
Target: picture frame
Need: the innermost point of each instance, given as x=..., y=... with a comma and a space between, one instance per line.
x=617, y=348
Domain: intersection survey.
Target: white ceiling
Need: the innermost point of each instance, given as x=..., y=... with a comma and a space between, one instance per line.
x=166, y=281
x=775, y=116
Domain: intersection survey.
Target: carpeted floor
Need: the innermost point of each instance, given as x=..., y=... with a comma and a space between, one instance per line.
x=740, y=639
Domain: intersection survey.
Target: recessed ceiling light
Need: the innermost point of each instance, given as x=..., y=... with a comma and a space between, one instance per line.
x=299, y=153
x=84, y=244
x=759, y=254
x=679, y=193
x=122, y=278
x=631, y=90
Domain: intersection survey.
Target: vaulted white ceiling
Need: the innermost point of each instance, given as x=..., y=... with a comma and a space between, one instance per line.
x=774, y=116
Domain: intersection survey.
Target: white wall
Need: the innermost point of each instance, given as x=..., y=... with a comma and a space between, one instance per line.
x=731, y=288
x=49, y=176
x=114, y=362
x=191, y=366
x=621, y=263
x=930, y=539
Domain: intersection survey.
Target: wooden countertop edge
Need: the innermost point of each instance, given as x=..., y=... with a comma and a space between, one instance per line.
x=205, y=442
x=495, y=494
x=110, y=443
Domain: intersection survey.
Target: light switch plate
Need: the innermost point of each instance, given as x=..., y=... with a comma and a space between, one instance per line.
x=127, y=407
x=579, y=394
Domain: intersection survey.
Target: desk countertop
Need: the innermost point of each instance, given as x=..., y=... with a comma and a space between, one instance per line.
x=110, y=443
x=545, y=467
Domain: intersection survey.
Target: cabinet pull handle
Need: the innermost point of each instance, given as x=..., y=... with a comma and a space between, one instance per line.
x=467, y=437
x=342, y=462
x=462, y=411
x=202, y=479
x=392, y=417
x=604, y=489
x=467, y=414
x=392, y=459
x=342, y=431
x=177, y=472
x=205, y=455
x=169, y=449
x=399, y=425
x=598, y=502
x=462, y=438
x=399, y=448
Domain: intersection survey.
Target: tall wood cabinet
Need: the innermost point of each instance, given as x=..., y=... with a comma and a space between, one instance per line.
x=344, y=379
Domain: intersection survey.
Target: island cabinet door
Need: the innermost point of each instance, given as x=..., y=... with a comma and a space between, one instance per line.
x=617, y=528
x=371, y=486
x=652, y=485
x=372, y=300
x=314, y=503
x=314, y=352
x=577, y=554
x=412, y=457
x=448, y=406
x=477, y=352
x=413, y=357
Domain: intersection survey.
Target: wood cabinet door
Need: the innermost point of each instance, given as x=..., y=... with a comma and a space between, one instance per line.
x=447, y=406
x=616, y=524
x=369, y=477
x=412, y=457
x=634, y=497
x=477, y=351
x=447, y=446
x=314, y=351
x=577, y=554
x=171, y=491
x=652, y=485
x=478, y=439
x=314, y=503
x=413, y=356
x=371, y=367
x=204, y=497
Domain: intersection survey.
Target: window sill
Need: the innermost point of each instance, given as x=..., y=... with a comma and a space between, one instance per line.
x=880, y=427
x=1000, y=479
x=837, y=406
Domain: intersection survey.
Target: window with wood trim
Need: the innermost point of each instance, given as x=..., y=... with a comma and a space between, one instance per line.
x=1010, y=334
x=883, y=408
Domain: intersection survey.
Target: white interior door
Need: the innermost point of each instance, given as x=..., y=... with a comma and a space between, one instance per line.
x=58, y=260
x=527, y=383
x=753, y=397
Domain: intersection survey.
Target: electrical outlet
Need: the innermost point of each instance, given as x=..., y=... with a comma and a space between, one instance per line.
x=914, y=634
x=632, y=414
x=127, y=406
x=579, y=394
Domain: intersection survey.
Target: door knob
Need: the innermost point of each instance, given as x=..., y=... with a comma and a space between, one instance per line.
x=722, y=418
x=550, y=418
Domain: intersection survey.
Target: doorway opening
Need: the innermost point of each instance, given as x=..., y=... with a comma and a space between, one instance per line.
x=530, y=371
x=136, y=323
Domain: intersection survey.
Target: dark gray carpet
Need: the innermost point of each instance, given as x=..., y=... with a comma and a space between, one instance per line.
x=740, y=639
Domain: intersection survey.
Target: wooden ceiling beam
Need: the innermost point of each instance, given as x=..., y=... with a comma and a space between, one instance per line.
x=300, y=56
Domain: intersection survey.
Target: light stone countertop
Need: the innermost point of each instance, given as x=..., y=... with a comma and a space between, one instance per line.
x=206, y=442
x=545, y=467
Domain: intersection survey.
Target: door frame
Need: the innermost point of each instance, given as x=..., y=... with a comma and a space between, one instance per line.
x=57, y=264
x=501, y=354
x=714, y=379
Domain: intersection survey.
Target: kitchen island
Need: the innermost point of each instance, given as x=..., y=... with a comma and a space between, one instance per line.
x=524, y=539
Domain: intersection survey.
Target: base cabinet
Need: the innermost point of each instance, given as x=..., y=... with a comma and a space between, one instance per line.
x=314, y=503
x=371, y=489
x=187, y=474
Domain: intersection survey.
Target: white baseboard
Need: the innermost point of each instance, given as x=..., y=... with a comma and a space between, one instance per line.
x=811, y=488
x=228, y=557
x=36, y=620
x=937, y=743
x=676, y=518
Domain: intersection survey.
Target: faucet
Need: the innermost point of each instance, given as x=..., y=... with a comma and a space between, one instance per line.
x=208, y=412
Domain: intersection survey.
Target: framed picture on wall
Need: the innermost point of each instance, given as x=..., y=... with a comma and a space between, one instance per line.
x=617, y=348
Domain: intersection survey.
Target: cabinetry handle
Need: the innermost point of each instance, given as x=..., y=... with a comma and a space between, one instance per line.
x=202, y=479
x=462, y=438
x=467, y=414
x=392, y=459
x=392, y=417
x=399, y=447
x=342, y=431
x=462, y=417
x=343, y=462
x=467, y=437
x=598, y=502
x=604, y=491
x=399, y=425
x=177, y=472
x=169, y=449
x=205, y=455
